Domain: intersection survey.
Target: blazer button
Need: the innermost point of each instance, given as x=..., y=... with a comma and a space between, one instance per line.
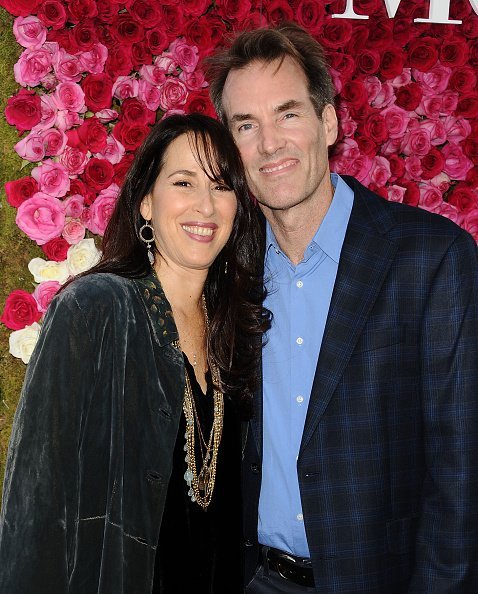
x=248, y=543
x=255, y=468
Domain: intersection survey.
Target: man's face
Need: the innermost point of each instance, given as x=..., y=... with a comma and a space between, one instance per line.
x=284, y=145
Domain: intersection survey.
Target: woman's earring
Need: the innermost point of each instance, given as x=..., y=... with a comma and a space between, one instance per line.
x=148, y=242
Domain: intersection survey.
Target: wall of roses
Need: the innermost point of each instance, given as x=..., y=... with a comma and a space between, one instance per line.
x=84, y=81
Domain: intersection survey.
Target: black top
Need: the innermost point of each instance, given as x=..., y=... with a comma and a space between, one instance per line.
x=200, y=552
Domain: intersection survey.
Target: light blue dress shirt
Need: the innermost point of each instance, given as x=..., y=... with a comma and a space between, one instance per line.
x=299, y=297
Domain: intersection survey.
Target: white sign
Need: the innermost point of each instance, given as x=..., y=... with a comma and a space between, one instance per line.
x=438, y=12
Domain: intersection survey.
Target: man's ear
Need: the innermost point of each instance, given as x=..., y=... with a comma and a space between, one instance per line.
x=146, y=209
x=329, y=119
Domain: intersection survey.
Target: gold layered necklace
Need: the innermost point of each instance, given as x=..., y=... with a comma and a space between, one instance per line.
x=200, y=476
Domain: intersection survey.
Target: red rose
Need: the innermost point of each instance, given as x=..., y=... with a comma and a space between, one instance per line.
x=63, y=38
x=98, y=173
x=157, y=40
x=409, y=96
x=366, y=146
x=354, y=93
x=368, y=62
x=52, y=14
x=145, y=13
x=375, y=127
x=402, y=31
x=464, y=197
x=233, y=10
x=412, y=194
x=460, y=9
x=19, y=190
x=217, y=29
x=107, y=10
x=98, y=91
x=343, y=63
x=254, y=20
x=472, y=176
x=195, y=8
x=380, y=34
x=56, y=249
x=336, y=33
x=469, y=27
x=358, y=40
x=134, y=111
x=122, y=167
x=470, y=147
x=392, y=62
x=454, y=53
x=200, y=103
x=310, y=15
x=368, y=6
x=463, y=80
x=20, y=310
x=432, y=163
x=79, y=187
x=106, y=38
x=140, y=55
x=172, y=19
x=23, y=110
x=85, y=35
x=380, y=190
x=422, y=53
x=397, y=167
x=20, y=7
x=119, y=61
x=468, y=106
x=197, y=33
x=126, y=30
x=93, y=135
x=279, y=11
x=79, y=10
x=130, y=135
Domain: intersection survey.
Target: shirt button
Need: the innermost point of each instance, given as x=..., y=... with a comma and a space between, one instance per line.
x=300, y=399
x=299, y=284
x=299, y=340
x=300, y=517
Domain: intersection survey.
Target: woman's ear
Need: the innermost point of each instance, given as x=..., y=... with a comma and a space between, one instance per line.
x=146, y=209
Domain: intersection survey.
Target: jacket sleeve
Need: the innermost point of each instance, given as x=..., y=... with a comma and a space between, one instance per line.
x=38, y=520
x=447, y=539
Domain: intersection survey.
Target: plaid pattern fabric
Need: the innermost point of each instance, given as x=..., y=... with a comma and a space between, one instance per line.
x=388, y=467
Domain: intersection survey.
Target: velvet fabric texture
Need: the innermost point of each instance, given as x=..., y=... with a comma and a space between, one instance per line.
x=91, y=450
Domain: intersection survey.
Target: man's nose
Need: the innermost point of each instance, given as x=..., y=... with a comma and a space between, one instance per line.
x=271, y=139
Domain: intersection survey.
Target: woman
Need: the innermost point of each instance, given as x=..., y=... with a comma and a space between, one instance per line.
x=142, y=369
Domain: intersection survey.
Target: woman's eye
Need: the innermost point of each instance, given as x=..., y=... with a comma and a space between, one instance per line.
x=222, y=188
x=182, y=183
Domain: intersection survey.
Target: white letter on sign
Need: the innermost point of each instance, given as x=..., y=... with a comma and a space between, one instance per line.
x=350, y=13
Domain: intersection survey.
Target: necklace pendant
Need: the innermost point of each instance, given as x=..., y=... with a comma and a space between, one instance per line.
x=203, y=479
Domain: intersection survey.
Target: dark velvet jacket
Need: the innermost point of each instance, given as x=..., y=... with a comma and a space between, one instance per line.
x=91, y=450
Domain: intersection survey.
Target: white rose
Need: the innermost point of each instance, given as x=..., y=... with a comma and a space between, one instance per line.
x=22, y=342
x=82, y=256
x=46, y=270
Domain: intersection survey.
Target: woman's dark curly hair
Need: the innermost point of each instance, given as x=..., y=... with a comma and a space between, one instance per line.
x=234, y=298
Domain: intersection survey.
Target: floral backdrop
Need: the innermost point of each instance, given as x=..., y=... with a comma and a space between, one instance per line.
x=95, y=75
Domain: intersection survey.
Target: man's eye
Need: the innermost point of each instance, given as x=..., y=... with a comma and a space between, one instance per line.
x=244, y=127
x=287, y=116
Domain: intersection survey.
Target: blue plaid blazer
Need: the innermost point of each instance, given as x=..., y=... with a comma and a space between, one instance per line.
x=388, y=465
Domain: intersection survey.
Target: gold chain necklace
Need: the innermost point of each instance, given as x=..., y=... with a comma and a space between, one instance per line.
x=201, y=484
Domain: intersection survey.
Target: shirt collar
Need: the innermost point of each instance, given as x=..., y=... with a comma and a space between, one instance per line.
x=329, y=237
x=158, y=309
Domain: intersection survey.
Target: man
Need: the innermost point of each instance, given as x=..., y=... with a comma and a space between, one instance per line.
x=361, y=461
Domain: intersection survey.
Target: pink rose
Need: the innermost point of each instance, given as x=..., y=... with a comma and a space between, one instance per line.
x=348, y=126
x=66, y=119
x=430, y=197
x=44, y=293
x=373, y=87
x=73, y=231
x=106, y=115
x=70, y=96
x=416, y=141
x=470, y=222
x=450, y=102
x=149, y=94
x=395, y=193
x=153, y=74
x=31, y=148
x=94, y=60
x=450, y=212
x=48, y=113
x=194, y=81
x=380, y=171
x=391, y=147
x=173, y=94
x=74, y=206
x=348, y=148
x=113, y=152
x=441, y=181
x=430, y=106
x=396, y=120
x=41, y=217
x=52, y=179
x=124, y=87
x=436, y=130
x=67, y=67
x=32, y=66
x=184, y=55
x=29, y=32
x=457, y=163
x=336, y=80
x=402, y=79
x=101, y=209
x=54, y=141
x=413, y=166
x=433, y=81
x=165, y=63
x=385, y=97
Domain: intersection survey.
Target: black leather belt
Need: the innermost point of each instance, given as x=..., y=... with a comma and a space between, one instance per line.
x=294, y=569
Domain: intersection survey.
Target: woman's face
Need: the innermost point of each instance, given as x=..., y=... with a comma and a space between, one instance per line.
x=192, y=215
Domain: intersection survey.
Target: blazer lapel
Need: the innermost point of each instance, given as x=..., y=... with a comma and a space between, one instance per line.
x=366, y=257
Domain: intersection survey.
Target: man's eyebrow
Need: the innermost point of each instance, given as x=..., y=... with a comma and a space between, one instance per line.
x=291, y=104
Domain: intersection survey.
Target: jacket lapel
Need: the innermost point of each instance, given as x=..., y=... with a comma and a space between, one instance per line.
x=366, y=257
